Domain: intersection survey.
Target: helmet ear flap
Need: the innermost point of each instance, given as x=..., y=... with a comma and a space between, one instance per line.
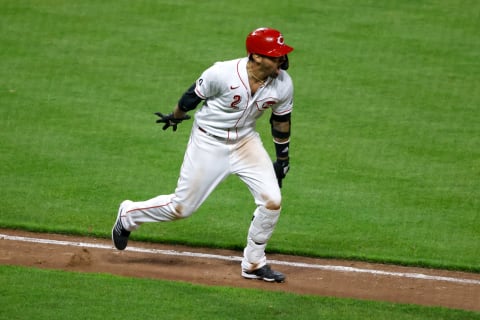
x=285, y=64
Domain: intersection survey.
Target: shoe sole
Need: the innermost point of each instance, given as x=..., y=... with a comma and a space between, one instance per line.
x=120, y=210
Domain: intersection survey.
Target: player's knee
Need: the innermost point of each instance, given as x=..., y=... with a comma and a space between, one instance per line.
x=182, y=212
x=273, y=203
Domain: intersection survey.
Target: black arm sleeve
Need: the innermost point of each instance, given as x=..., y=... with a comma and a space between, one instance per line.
x=189, y=99
x=278, y=118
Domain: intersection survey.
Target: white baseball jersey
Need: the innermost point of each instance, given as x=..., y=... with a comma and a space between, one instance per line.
x=230, y=111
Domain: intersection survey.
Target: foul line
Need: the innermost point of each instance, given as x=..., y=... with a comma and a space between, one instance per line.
x=235, y=258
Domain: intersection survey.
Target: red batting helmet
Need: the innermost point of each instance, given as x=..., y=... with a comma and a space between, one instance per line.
x=267, y=42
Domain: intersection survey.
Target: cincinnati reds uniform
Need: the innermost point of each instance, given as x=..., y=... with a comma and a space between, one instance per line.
x=223, y=141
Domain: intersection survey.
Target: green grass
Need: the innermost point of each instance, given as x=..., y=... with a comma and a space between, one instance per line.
x=385, y=145
x=64, y=295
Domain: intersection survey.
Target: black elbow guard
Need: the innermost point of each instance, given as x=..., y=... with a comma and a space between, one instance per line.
x=283, y=118
x=189, y=99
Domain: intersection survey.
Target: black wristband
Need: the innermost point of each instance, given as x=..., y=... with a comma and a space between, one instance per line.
x=281, y=149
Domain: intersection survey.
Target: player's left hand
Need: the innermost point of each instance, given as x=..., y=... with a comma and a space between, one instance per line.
x=170, y=120
x=281, y=168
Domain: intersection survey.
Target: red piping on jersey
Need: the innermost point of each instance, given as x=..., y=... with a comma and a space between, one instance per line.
x=147, y=208
x=248, y=98
x=238, y=73
x=284, y=112
x=199, y=94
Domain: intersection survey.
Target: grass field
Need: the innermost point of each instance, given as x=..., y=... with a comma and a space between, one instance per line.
x=69, y=295
x=385, y=146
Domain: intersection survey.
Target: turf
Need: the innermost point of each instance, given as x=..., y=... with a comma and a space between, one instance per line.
x=64, y=295
x=385, y=141
x=385, y=144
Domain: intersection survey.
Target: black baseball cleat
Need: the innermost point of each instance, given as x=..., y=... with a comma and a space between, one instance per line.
x=119, y=233
x=264, y=273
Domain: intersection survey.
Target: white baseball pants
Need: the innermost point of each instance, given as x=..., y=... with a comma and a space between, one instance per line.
x=207, y=162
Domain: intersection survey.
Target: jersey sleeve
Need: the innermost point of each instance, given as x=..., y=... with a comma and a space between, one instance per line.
x=285, y=105
x=208, y=85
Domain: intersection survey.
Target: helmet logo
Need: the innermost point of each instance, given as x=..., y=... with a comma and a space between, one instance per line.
x=280, y=40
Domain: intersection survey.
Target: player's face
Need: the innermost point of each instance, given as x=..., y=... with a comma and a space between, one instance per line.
x=272, y=65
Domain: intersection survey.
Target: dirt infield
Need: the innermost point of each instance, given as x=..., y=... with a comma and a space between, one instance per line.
x=321, y=277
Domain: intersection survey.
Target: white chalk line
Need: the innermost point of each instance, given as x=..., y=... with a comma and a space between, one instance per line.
x=235, y=258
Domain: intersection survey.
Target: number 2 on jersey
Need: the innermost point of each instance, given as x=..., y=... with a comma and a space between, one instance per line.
x=236, y=101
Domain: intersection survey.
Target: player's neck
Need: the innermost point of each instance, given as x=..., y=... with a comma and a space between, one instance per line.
x=255, y=76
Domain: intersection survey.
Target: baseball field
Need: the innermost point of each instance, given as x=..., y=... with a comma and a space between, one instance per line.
x=385, y=158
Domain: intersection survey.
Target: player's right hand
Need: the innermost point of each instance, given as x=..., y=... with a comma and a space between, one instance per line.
x=170, y=120
x=281, y=168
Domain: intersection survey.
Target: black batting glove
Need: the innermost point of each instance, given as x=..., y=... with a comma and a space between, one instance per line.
x=169, y=120
x=281, y=168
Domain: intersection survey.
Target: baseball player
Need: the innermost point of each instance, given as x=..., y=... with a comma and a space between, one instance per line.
x=223, y=141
